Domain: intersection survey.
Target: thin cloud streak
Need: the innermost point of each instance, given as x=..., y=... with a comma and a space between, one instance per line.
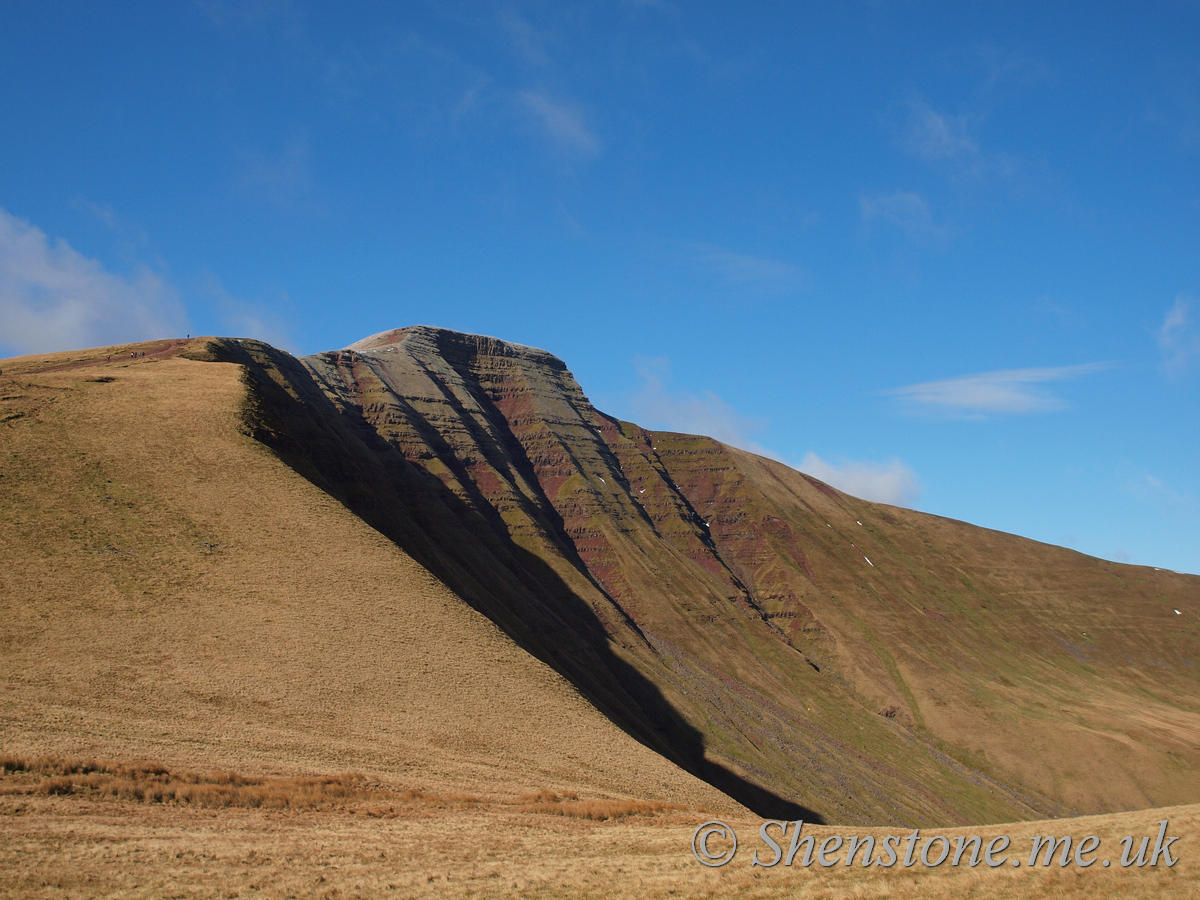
x=744, y=270
x=658, y=408
x=1178, y=338
x=1008, y=392
x=934, y=136
x=562, y=124
x=947, y=143
x=529, y=43
x=1169, y=500
x=892, y=482
x=253, y=14
x=909, y=212
x=1148, y=487
x=54, y=298
x=245, y=319
x=285, y=181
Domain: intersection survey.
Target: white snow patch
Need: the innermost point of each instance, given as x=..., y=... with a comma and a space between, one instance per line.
x=869, y=563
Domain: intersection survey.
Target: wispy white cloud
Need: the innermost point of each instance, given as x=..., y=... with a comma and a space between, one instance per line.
x=284, y=180
x=653, y=4
x=433, y=87
x=744, y=270
x=1008, y=392
x=243, y=318
x=892, y=482
x=1010, y=73
x=933, y=136
x=909, y=212
x=948, y=143
x=657, y=407
x=1175, y=103
x=131, y=236
x=101, y=211
x=562, y=124
x=1151, y=489
x=54, y=298
x=468, y=100
x=1178, y=338
x=248, y=14
x=528, y=42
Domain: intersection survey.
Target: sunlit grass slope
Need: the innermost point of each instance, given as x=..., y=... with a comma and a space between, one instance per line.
x=169, y=590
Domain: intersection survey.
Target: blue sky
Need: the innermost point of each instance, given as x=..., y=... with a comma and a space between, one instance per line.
x=943, y=255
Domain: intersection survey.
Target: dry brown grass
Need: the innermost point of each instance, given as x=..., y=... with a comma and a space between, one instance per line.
x=133, y=830
x=169, y=590
x=433, y=847
x=153, y=783
x=569, y=804
x=148, y=782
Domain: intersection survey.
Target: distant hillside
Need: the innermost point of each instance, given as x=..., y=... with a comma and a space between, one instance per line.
x=804, y=651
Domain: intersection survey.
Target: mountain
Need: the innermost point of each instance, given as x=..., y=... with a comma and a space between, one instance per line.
x=803, y=651
x=170, y=591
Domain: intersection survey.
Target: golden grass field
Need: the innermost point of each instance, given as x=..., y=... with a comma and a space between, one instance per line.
x=290, y=706
x=385, y=843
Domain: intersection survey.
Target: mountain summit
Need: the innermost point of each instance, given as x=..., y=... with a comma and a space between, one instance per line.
x=793, y=645
x=808, y=653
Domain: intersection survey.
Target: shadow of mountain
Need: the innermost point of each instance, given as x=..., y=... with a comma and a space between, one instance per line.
x=471, y=552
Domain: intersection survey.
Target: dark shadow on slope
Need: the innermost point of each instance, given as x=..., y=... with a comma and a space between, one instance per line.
x=511, y=461
x=341, y=453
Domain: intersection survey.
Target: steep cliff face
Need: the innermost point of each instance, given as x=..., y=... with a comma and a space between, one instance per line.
x=805, y=651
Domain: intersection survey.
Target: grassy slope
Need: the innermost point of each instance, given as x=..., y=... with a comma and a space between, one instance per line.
x=1073, y=676
x=169, y=589
x=1066, y=679
x=742, y=590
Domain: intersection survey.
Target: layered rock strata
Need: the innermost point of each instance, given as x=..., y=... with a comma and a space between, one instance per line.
x=806, y=652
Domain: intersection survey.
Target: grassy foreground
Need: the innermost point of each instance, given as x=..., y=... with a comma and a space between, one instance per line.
x=92, y=829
